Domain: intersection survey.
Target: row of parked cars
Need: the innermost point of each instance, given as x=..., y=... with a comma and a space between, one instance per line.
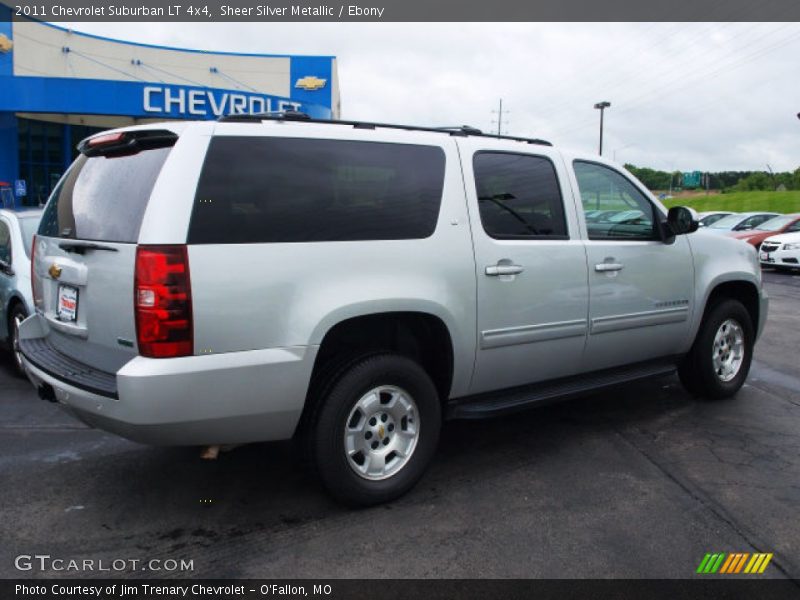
x=775, y=236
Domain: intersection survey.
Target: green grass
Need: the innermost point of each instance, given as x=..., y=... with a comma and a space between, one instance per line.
x=781, y=202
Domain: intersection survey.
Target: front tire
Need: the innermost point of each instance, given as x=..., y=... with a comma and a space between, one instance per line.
x=719, y=361
x=376, y=430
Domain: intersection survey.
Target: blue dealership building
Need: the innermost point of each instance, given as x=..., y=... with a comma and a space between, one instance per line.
x=58, y=86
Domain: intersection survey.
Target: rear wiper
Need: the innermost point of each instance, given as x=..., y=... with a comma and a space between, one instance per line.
x=81, y=247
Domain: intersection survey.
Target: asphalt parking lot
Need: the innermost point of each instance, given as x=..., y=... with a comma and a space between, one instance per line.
x=639, y=482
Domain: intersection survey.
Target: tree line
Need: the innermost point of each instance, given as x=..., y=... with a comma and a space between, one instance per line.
x=726, y=181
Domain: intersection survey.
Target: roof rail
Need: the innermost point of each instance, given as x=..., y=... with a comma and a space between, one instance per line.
x=461, y=130
x=284, y=115
x=291, y=115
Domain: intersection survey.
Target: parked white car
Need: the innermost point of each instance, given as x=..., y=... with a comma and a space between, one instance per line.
x=781, y=251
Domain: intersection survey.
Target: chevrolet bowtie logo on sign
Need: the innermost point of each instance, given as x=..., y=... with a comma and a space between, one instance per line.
x=5, y=44
x=310, y=83
x=734, y=563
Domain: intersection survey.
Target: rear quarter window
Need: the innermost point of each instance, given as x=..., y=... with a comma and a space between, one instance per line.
x=273, y=190
x=102, y=198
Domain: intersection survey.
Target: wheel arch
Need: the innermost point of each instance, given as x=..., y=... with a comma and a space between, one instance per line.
x=419, y=335
x=13, y=301
x=744, y=290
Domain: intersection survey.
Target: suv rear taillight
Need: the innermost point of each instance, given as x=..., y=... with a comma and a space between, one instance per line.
x=162, y=300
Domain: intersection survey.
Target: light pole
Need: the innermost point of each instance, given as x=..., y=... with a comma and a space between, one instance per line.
x=602, y=106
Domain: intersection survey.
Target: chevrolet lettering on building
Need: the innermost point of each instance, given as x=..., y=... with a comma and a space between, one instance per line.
x=172, y=100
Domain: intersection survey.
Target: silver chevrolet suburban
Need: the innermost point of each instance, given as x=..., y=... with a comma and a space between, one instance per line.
x=352, y=284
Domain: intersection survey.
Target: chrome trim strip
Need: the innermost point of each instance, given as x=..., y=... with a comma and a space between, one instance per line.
x=640, y=319
x=510, y=336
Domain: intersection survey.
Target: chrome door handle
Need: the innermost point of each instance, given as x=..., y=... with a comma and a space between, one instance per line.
x=495, y=270
x=605, y=267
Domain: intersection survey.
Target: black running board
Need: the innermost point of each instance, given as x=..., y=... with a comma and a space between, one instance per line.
x=492, y=404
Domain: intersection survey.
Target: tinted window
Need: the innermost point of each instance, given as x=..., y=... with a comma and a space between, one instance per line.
x=728, y=222
x=103, y=198
x=613, y=207
x=518, y=196
x=712, y=219
x=775, y=223
x=255, y=190
x=752, y=222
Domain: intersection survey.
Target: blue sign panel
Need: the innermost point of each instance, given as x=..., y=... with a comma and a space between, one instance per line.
x=20, y=188
x=140, y=99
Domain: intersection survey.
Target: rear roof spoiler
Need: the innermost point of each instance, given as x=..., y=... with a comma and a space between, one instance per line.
x=125, y=143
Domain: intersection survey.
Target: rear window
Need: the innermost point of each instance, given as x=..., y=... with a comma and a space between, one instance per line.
x=103, y=199
x=262, y=190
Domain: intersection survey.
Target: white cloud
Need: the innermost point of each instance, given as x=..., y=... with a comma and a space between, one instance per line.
x=704, y=96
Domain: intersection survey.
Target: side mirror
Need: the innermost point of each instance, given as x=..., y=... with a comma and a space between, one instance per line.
x=682, y=220
x=6, y=268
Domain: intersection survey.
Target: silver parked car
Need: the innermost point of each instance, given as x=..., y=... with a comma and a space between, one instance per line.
x=705, y=219
x=16, y=233
x=352, y=284
x=740, y=222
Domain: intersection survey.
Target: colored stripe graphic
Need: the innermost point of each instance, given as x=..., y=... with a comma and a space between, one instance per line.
x=740, y=564
x=765, y=563
x=754, y=563
x=759, y=563
x=718, y=564
x=727, y=565
x=734, y=563
x=701, y=568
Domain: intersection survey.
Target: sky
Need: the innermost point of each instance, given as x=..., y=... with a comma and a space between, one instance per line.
x=696, y=96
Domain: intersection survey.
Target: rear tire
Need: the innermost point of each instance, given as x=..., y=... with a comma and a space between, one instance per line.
x=15, y=318
x=719, y=361
x=376, y=429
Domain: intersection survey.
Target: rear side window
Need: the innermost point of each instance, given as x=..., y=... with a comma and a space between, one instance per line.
x=519, y=196
x=264, y=189
x=102, y=198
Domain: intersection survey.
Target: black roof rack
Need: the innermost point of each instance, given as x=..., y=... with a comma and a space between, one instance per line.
x=292, y=115
x=280, y=115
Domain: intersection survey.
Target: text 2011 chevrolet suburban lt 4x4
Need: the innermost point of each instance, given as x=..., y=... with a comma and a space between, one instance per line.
x=351, y=284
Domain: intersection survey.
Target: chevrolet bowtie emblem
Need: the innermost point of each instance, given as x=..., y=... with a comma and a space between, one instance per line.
x=55, y=271
x=5, y=44
x=310, y=83
x=381, y=431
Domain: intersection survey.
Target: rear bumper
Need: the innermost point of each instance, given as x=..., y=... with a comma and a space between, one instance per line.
x=230, y=398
